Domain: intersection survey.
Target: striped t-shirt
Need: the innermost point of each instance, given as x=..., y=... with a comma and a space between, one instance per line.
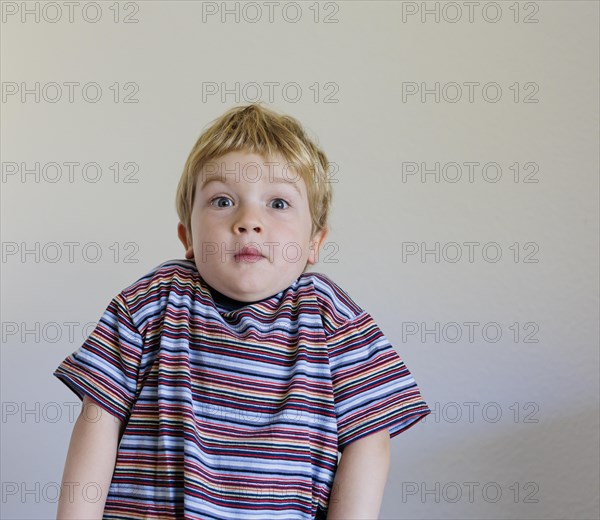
x=236, y=413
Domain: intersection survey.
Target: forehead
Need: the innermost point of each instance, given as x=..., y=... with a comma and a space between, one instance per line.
x=243, y=167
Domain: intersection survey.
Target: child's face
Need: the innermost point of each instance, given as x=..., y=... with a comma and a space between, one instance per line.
x=241, y=201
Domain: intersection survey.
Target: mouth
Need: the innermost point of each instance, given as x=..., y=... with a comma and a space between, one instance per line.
x=248, y=254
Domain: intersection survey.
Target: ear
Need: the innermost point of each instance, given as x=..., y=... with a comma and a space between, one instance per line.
x=316, y=243
x=181, y=233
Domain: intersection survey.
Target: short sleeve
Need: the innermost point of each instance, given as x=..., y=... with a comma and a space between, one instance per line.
x=106, y=365
x=372, y=386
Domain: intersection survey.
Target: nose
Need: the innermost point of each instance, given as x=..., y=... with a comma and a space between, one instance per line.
x=247, y=219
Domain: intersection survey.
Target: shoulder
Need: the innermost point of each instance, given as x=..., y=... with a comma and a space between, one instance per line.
x=171, y=271
x=149, y=293
x=336, y=306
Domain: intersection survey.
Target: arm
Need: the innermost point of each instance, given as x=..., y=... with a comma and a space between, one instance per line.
x=90, y=461
x=360, y=478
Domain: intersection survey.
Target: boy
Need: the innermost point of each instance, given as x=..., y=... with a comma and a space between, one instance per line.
x=223, y=386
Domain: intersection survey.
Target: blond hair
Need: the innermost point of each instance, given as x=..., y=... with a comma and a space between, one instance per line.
x=258, y=130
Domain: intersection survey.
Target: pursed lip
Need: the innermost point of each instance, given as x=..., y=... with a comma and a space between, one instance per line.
x=249, y=253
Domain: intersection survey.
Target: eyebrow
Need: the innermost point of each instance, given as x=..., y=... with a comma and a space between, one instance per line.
x=218, y=178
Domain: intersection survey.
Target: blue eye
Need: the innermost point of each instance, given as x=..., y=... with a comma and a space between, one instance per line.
x=218, y=199
x=279, y=201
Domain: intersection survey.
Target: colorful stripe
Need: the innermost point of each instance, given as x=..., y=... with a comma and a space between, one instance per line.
x=236, y=414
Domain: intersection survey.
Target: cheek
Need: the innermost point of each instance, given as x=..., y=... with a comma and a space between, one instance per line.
x=202, y=220
x=295, y=229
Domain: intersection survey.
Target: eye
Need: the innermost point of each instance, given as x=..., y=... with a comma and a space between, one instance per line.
x=218, y=200
x=280, y=203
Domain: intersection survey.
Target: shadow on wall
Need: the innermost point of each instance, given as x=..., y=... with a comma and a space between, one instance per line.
x=504, y=470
